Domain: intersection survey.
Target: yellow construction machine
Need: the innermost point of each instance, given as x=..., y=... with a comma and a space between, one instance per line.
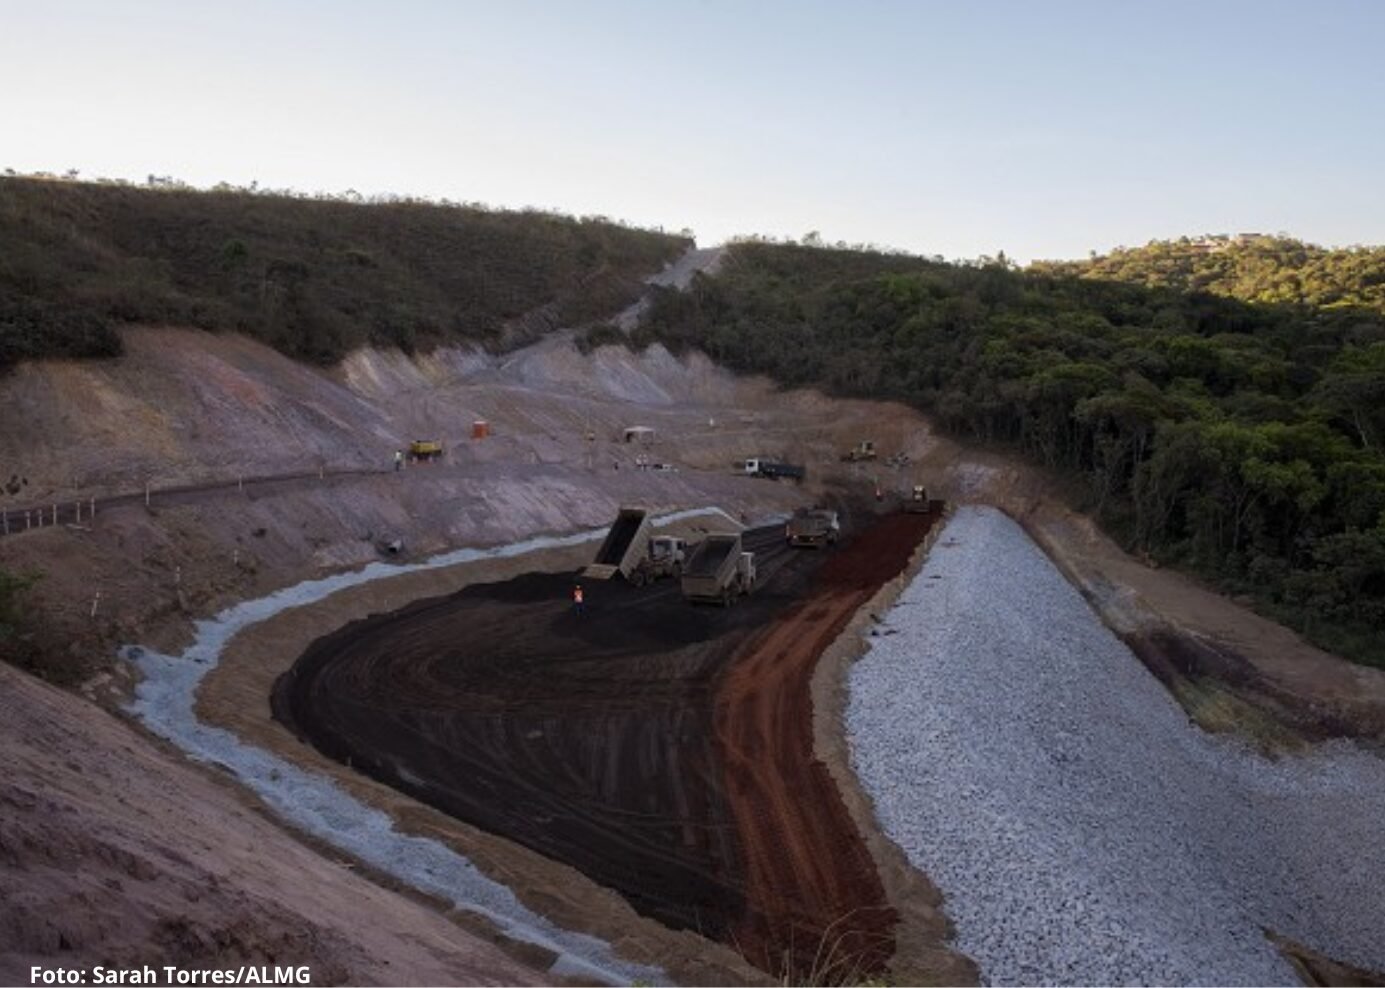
x=423, y=450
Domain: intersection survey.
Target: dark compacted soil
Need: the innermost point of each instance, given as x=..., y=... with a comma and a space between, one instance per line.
x=663, y=749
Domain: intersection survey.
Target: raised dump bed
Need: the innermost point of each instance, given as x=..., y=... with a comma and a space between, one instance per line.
x=625, y=545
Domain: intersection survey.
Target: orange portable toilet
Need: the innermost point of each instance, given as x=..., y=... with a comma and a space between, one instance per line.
x=480, y=429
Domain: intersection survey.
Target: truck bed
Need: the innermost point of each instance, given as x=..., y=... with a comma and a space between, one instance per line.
x=707, y=559
x=617, y=542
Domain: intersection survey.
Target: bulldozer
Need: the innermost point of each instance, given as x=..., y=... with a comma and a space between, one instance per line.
x=917, y=502
x=860, y=453
x=424, y=450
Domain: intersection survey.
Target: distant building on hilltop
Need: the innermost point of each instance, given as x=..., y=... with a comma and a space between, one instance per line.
x=1217, y=242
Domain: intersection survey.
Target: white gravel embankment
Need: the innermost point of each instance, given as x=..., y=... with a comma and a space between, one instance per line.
x=1081, y=829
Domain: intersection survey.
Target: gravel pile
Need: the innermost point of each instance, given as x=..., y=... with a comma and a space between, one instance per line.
x=1080, y=828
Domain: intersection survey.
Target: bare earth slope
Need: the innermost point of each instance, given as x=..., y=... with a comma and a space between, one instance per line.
x=189, y=407
x=111, y=852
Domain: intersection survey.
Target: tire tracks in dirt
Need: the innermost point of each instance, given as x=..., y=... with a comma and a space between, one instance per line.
x=664, y=750
x=815, y=904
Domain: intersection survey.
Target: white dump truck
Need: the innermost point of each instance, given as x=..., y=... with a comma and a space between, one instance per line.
x=719, y=571
x=665, y=556
x=626, y=544
x=816, y=527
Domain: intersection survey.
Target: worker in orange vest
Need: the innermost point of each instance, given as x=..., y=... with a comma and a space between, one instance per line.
x=577, y=603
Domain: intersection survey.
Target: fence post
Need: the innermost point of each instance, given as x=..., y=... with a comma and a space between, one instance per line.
x=55, y=514
x=95, y=602
x=92, y=515
x=240, y=483
x=146, y=493
x=26, y=521
x=78, y=505
x=177, y=576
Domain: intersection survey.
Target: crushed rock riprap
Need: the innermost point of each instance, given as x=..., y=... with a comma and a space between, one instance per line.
x=1080, y=828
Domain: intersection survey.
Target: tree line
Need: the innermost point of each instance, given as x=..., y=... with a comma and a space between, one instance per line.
x=313, y=277
x=1238, y=437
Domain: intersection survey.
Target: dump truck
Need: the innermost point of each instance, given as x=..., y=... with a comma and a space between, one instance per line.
x=917, y=501
x=759, y=466
x=625, y=545
x=423, y=450
x=718, y=571
x=864, y=450
x=814, y=527
x=665, y=556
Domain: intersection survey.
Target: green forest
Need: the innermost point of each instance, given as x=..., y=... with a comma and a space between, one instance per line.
x=313, y=277
x=1222, y=402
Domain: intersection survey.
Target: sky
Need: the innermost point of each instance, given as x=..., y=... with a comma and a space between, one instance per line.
x=1043, y=129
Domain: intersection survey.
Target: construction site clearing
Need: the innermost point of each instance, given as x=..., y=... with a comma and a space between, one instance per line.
x=663, y=750
x=644, y=782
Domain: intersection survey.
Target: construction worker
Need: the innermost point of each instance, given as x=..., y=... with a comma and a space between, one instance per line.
x=578, y=604
x=398, y=460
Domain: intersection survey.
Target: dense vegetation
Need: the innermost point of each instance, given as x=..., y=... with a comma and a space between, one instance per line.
x=312, y=277
x=1242, y=440
x=1252, y=268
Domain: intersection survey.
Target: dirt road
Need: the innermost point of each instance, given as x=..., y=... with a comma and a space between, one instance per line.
x=14, y=521
x=815, y=903
x=611, y=740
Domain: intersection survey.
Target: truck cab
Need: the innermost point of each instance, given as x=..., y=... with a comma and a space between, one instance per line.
x=917, y=502
x=665, y=557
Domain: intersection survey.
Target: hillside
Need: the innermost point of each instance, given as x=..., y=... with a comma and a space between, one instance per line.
x=113, y=852
x=1249, y=267
x=313, y=278
x=1240, y=440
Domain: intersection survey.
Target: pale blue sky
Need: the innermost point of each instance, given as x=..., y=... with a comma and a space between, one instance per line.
x=1043, y=129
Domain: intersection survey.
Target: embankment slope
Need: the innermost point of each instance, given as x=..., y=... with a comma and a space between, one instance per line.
x=114, y=852
x=1082, y=830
